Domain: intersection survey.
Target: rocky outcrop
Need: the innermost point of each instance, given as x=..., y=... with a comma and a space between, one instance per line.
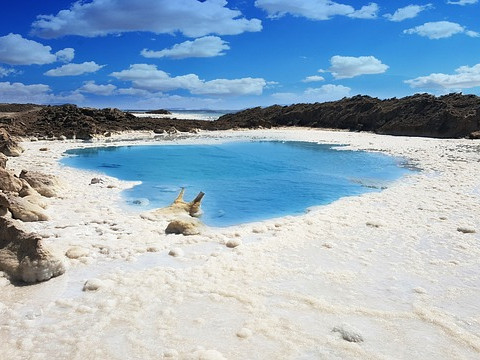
x=22, y=208
x=449, y=116
x=8, y=145
x=23, y=256
x=46, y=185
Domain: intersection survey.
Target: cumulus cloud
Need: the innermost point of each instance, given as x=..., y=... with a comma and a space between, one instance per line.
x=36, y=93
x=65, y=55
x=21, y=93
x=74, y=69
x=328, y=92
x=207, y=46
x=148, y=77
x=440, y=30
x=344, y=67
x=407, y=12
x=313, y=78
x=462, y=2
x=91, y=88
x=16, y=50
x=193, y=18
x=465, y=77
x=315, y=9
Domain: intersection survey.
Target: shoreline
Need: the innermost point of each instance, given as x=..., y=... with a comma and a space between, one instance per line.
x=394, y=266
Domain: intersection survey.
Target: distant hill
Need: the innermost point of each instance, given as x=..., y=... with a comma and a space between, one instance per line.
x=449, y=116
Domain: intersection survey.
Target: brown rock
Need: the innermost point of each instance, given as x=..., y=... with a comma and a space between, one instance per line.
x=8, y=182
x=46, y=185
x=23, y=256
x=8, y=145
x=22, y=208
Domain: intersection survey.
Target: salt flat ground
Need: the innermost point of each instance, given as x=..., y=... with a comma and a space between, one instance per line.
x=397, y=272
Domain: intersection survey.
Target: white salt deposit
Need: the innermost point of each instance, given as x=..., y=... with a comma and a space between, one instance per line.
x=401, y=267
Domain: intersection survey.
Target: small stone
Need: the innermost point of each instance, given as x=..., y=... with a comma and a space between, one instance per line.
x=176, y=252
x=43, y=149
x=76, y=252
x=170, y=353
x=96, y=181
x=233, y=243
x=92, y=285
x=348, y=333
x=244, y=333
x=466, y=230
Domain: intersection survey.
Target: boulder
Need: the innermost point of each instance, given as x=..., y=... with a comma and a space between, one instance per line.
x=8, y=182
x=9, y=146
x=44, y=184
x=22, y=208
x=184, y=226
x=23, y=256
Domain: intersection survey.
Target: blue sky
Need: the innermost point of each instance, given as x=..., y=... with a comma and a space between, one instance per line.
x=145, y=54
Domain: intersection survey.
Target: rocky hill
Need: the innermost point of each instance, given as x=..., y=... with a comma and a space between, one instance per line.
x=449, y=116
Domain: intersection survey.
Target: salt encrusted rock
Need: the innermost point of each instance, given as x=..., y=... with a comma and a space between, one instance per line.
x=92, y=285
x=184, y=226
x=233, y=243
x=23, y=256
x=466, y=230
x=96, y=181
x=244, y=333
x=46, y=185
x=202, y=354
x=9, y=182
x=8, y=145
x=22, y=208
x=76, y=252
x=348, y=333
x=176, y=252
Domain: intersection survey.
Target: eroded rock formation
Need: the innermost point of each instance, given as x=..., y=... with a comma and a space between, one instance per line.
x=23, y=256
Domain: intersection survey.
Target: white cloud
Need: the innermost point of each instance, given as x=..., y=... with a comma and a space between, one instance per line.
x=193, y=18
x=91, y=88
x=313, y=78
x=462, y=2
x=21, y=93
x=369, y=11
x=5, y=72
x=344, y=67
x=65, y=55
x=328, y=92
x=75, y=69
x=207, y=46
x=315, y=9
x=16, y=50
x=148, y=77
x=407, y=12
x=440, y=30
x=465, y=77
x=136, y=92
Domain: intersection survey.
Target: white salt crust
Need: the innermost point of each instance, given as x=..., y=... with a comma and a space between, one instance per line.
x=401, y=267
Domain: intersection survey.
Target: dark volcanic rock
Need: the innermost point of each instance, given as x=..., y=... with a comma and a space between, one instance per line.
x=449, y=116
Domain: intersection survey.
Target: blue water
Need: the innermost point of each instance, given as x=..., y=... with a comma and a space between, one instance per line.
x=242, y=181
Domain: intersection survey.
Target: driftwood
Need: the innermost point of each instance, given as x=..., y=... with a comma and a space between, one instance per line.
x=182, y=215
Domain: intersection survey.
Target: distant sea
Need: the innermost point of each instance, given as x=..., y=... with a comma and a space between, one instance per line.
x=207, y=115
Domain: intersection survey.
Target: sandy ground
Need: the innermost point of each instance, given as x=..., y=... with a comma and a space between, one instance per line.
x=387, y=275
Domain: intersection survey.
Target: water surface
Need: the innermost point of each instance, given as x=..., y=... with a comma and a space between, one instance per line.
x=243, y=181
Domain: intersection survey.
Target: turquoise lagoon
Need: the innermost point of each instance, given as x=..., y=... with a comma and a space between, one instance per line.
x=243, y=181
